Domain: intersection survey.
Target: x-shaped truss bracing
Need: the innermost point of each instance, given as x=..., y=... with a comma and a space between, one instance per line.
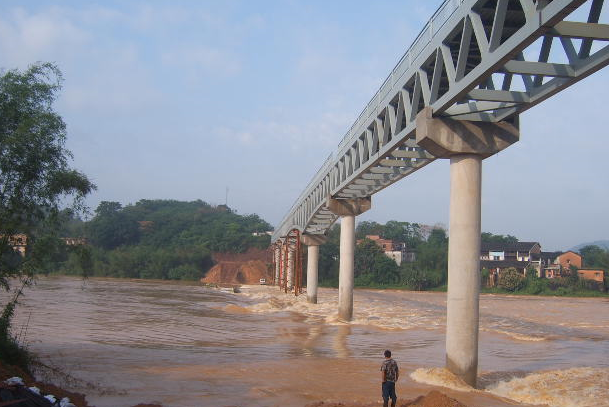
x=478, y=60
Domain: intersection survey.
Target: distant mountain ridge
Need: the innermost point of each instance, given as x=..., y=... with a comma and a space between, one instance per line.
x=600, y=243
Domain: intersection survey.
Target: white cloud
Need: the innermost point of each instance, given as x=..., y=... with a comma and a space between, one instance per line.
x=197, y=58
x=29, y=37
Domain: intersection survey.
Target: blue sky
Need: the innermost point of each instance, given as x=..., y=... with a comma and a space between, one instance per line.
x=181, y=99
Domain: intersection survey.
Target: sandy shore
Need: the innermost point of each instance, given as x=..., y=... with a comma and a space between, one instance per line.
x=432, y=399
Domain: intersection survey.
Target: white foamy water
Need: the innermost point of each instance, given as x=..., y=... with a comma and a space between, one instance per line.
x=183, y=345
x=575, y=387
x=372, y=309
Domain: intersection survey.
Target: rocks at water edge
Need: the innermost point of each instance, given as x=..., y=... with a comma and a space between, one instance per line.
x=14, y=389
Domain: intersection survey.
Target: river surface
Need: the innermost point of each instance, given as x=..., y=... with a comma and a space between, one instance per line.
x=123, y=342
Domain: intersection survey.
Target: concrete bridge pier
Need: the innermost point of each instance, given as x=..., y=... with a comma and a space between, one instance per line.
x=466, y=144
x=313, y=242
x=347, y=209
x=290, y=276
x=277, y=254
x=464, y=266
x=282, y=265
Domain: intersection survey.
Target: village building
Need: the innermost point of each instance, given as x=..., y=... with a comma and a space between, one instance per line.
x=75, y=241
x=18, y=242
x=397, y=251
x=527, y=256
x=497, y=257
x=570, y=258
x=558, y=264
x=591, y=274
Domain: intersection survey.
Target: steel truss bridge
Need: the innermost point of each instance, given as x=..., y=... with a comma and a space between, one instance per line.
x=475, y=60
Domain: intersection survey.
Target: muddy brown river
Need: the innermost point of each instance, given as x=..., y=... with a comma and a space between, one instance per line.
x=123, y=342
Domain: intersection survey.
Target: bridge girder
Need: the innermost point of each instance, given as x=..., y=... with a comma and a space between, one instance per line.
x=462, y=65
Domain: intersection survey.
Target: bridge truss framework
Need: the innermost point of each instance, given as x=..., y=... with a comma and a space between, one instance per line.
x=457, y=93
x=476, y=60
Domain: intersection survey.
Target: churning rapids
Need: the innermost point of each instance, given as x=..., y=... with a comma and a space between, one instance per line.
x=124, y=342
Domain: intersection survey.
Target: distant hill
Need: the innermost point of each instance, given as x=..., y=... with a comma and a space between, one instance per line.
x=600, y=243
x=162, y=239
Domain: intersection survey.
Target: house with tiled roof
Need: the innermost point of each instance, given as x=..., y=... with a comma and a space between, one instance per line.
x=397, y=251
x=499, y=256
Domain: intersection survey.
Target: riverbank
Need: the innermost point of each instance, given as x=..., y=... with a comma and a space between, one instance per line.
x=432, y=399
x=485, y=290
x=8, y=371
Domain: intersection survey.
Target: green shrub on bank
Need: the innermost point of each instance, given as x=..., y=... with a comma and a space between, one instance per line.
x=511, y=280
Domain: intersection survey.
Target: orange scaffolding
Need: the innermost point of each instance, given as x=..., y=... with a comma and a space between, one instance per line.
x=291, y=243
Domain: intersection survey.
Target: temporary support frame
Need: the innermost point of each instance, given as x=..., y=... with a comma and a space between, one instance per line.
x=291, y=243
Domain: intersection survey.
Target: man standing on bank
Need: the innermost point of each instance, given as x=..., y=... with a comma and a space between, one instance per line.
x=390, y=374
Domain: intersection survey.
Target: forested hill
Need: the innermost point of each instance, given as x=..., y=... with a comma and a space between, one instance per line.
x=167, y=223
x=158, y=239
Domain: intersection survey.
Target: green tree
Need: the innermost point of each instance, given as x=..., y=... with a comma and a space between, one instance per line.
x=433, y=254
x=366, y=228
x=487, y=237
x=511, y=280
x=366, y=254
x=386, y=270
x=405, y=232
x=111, y=228
x=328, y=258
x=413, y=277
x=35, y=178
x=573, y=277
x=595, y=256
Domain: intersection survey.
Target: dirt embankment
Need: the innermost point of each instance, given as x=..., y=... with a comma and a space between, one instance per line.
x=7, y=371
x=9, y=393
x=239, y=268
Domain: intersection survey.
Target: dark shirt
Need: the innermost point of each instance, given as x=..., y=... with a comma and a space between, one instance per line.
x=390, y=367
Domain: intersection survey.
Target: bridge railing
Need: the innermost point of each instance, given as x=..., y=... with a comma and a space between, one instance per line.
x=322, y=172
x=437, y=21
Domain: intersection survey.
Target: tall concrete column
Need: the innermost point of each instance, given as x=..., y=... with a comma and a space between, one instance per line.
x=466, y=143
x=282, y=265
x=347, y=209
x=312, y=242
x=277, y=254
x=312, y=268
x=290, y=268
x=345, y=268
x=464, y=266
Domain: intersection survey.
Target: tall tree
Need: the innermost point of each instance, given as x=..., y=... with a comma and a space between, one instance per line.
x=487, y=237
x=366, y=228
x=35, y=177
x=111, y=228
x=595, y=256
x=366, y=254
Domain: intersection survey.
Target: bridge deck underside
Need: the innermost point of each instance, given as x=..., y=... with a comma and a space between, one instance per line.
x=479, y=60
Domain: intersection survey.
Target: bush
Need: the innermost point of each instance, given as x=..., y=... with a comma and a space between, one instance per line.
x=184, y=272
x=364, y=280
x=511, y=280
x=556, y=283
x=12, y=350
x=590, y=285
x=535, y=286
x=484, y=275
